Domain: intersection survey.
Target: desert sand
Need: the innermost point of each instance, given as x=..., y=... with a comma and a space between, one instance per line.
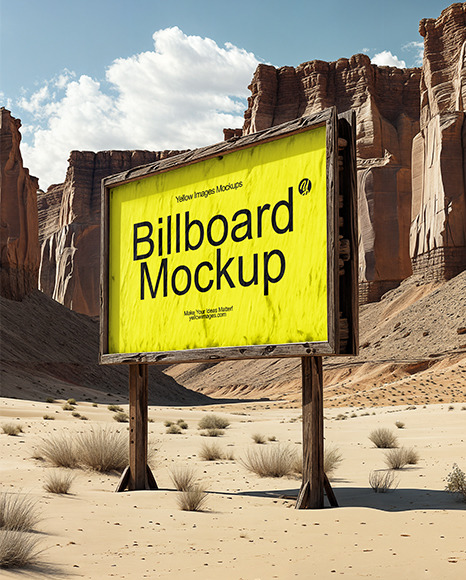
x=248, y=528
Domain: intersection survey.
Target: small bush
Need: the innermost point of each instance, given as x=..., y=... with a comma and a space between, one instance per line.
x=412, y=456
x=58, y=482
x=396, y=458
x=168, y=423
x=383, y=438
x=12, y=429
x=18, y=512
x=58, y=450
x=103, y=450
x=95, y=405
x=173, y=430
x=67, y=407
x=400, y=424
x=381, y=481
x=272, y=438
x=18, y=549
x=50, y=400
x=48, y=417
x=211, y=452
x=258, y=438
x=71, y=401
x=193, y=499
x=456, y=482
x=121, y=417
x=115, y=408
x=270, y=461
x=213, y=422
x=183, y=478
x=212, y=433
x=83, y=418
x=182, y=424
x=76, y=414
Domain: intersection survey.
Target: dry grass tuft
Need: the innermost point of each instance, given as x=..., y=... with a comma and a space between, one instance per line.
x=270, y=461
x=58, y=482
x=258, y=438
x=58, y=450
x=381, y=481
x=173, y=430
x=12, y=429
x=412, y=456
x=212, y=433
x=456, y=482
x=183, y=477
x=383, y=438
x=121, y=417
x=213, y=422
x=332, y=459
x=115, y=408
x=18, y=512
x=18, y=549
x=211, y=452
x=396, y=458
x=103, y=450
x=193, y=499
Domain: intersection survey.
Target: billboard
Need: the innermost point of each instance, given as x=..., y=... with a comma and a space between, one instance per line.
x=225, y=252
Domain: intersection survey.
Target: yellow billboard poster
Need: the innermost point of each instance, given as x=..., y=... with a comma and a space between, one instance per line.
x=230, y=251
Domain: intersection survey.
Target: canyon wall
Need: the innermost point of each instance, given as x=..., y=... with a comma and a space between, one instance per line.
x=19, y=232
x=69, y=217
x=386, y=100
x=438, y=228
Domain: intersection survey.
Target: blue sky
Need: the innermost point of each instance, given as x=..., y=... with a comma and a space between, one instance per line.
x=144, y=74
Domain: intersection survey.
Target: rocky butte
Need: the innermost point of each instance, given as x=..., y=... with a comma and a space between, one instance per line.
x=19, y=241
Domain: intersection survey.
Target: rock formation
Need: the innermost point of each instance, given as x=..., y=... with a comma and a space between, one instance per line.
x=69, y=216
x=387, y=103
x=438, y=229
x=19, y=235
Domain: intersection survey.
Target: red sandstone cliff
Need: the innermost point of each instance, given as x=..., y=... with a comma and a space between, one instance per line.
x=387, y=103
x=69, y=217
x=438, y=229
x=19, y=235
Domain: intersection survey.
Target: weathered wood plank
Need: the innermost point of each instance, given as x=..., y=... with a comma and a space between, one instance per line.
x=313, y=434
x=138, y=426
x=329, y=492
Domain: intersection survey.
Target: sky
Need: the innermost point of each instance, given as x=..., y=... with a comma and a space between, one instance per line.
x=171, y=74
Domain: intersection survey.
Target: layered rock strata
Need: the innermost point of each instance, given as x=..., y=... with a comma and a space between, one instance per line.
x=386, y=101
x=438, y=229
x=19, y=235
x=69, y=216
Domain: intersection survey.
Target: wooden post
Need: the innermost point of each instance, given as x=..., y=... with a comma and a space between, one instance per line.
x=138, y=475
x=311, y=494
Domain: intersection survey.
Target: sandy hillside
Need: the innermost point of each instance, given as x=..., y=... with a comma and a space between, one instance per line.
x=48, y=350
x=413, y=350
x=248, y=529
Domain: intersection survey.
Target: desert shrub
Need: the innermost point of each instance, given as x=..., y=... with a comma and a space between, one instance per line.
x=18, y=512
x=193, y=499
x=400, y=424
x=103, y=450
x=173, y=430
x=18, y=549
x=212, y=433
x=48, y=417
x=211, y=452
x=115, y=408
x=121, y=417
x=396, y=458
x=412, y=456
x=272, y=438
x=95, y=405
x=12, y=429
x=183, y=477
x=270, y=461
x=213, y=422
x=76, y=414
x=168, y=423
x=58, y=450
x=258, y=438
x=456, y=482
x=50, y=400
x=71, y=401
x=383, y=438
x=182, y=424
x=83, y=418
x=67, y=407
x=58, y=482
x=381, y=481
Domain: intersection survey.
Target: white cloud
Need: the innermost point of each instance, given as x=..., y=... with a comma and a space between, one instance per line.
x=418, y=48
x=179, y=95
x=386, y=58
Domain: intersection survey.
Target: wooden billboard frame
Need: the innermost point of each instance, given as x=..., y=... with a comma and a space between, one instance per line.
x=342, y=299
